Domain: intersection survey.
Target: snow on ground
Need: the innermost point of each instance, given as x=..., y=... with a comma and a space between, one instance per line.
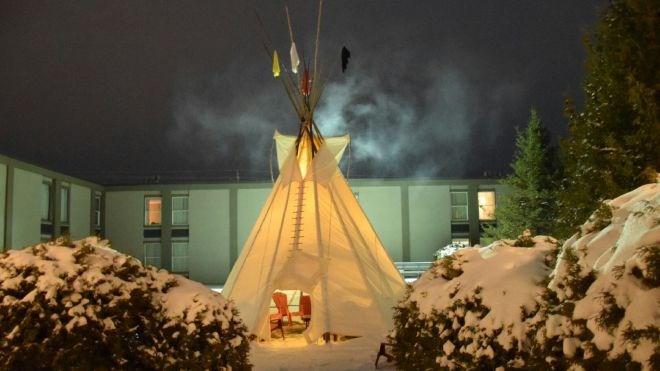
x=296, y=354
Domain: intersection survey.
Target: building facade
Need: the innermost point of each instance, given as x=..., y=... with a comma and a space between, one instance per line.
x=199, y=229
x=37, y=204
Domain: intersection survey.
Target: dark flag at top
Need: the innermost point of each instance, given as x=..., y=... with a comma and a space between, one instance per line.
x=345, y=55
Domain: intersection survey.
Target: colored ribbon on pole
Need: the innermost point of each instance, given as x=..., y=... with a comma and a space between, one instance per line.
x=276, y=64
x=295, y=61
x=305, y=84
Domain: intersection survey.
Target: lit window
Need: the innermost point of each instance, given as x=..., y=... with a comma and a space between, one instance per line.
x=152, y=254
x=180, y=257
x=152, y=207
x=45, y=201
x=179, y=210
x=64, y=204
x=459, y=206
x=486, y=205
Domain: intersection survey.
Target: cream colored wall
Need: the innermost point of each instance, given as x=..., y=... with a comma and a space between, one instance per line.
x=79, y=226
x=3, y=195
x=124, y=216
x=382, y=205
x=250, y=202
x=208, y=245
x=26, y=217
x=430, y=220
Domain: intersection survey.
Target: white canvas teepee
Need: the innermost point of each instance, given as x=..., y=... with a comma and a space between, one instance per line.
x=312, y=235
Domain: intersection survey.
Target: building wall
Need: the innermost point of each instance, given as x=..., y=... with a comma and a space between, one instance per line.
x=81, y=203
x=430, y=220
x=3, y=195
x=26, y=216
x=209, y=241
x=250, y=202
x=382, y=205
x=124, y=216
x=412, y=219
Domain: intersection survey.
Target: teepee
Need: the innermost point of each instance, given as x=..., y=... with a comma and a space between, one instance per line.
x=312, y=235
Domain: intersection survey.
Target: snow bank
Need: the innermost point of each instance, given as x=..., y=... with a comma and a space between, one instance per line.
x=466, y=311
x=503, y=278
x=618, y=315
x=595, y=306
x=86, y=303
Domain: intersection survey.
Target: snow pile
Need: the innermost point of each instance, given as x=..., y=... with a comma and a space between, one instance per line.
x=505, y=306
x=466, y=311
x=87, y=305
x=607, y=286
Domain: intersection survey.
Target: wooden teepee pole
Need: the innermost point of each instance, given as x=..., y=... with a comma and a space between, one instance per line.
x=288, y=21
x=316, y=44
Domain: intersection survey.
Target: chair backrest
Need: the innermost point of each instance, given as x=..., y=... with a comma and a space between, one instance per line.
x=281, y=302
x=305, y=305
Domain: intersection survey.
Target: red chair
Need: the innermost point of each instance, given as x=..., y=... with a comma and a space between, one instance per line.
x=276, y=323
x=282, y=305
x=304, y=309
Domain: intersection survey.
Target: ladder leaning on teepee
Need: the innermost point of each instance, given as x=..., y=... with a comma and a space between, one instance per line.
x=298, y=217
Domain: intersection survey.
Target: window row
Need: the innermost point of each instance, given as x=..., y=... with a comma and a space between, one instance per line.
x=459, y=208
x=153, y=210
x=65, y=204
x=153, y=250
x=459, y=205
x=46, y=204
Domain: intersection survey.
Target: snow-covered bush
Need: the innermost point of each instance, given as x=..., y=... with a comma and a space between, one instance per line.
x=607, y=289
x=86, y=306
x=466, y=311
x=593, y=306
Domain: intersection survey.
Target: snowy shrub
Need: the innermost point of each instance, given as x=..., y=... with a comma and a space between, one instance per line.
x=465, y=312
x=600, y=219
x=525, y=239
x=86, y=306
x=593, y=304
x=605, y=315
x=448, y=267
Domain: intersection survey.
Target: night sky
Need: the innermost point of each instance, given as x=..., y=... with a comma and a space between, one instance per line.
x=119, y=92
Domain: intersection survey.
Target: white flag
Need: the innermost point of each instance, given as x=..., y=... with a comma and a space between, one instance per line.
x=294, y=58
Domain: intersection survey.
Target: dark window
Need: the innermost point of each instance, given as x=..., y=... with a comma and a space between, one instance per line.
x=460, y=228
x=97, y=211
x=65, y=194
x=180, y=233
x=46, y=229
x=152, y=233
x=46, y=195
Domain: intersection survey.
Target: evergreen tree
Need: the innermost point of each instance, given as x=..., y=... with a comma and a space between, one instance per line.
x=614, y=144
x=530, y=204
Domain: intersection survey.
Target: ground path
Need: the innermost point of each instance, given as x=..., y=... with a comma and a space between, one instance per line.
x=294, y=353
